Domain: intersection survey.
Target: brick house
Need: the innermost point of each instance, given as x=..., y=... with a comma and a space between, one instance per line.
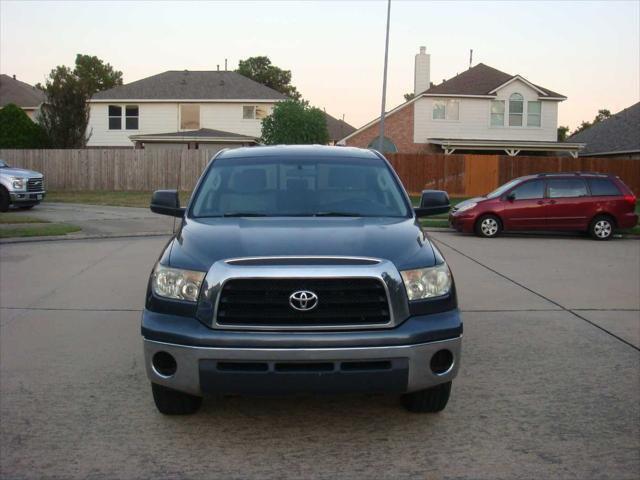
x=479, y=110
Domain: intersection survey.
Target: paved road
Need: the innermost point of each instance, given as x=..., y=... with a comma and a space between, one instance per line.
x=99, y=220
x=549, y=385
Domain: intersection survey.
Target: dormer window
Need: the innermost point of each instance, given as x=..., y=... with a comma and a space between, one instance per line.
x=446, y=110
x=516, y=110
x=533, y=113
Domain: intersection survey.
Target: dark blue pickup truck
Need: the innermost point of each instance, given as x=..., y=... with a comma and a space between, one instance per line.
x=300, y=269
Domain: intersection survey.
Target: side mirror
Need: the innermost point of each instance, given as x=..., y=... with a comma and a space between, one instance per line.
x=511, y=197
x=433, y=202
x=166, y=202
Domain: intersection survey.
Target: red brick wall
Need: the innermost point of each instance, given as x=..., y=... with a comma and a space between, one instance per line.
x=398, y=127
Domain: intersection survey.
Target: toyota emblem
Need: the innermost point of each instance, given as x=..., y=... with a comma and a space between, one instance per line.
x=303, y=300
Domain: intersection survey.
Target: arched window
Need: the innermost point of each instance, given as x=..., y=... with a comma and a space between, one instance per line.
x=387, y=145
x=516, y=109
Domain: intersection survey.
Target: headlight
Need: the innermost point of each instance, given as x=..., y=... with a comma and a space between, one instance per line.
x=427, y=282
x=176, y=283
x=18, y=182
x=466, y=206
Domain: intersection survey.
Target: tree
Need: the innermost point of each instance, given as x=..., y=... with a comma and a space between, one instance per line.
x=295, y=122
x=65, y=114
x=409, y=96
x=18, y=131
x=603, y=114
x=262, y=71
x=562, y=133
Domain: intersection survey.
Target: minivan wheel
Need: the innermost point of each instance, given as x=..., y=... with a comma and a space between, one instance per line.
x=172, y=402
x=601, y=228
x=431, y=400
x=488, y=226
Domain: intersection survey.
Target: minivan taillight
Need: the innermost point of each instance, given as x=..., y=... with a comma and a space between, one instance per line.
x=631, y=200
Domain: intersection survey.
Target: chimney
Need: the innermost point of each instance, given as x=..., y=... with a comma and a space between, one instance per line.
x=14, y=76
x=422, y=73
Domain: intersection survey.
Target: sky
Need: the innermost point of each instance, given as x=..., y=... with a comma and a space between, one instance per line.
x=588, y=51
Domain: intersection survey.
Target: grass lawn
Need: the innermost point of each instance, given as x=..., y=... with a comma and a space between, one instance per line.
x=11, y=217
x=436, y=221
x=39, y=230
x=108, y=198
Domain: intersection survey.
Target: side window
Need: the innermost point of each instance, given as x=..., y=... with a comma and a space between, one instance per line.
x=529, y=190
x=566, y=188
x=603, y=187
x=131, y=117
x=248, y=112
x=115, y=117
x=189, y=116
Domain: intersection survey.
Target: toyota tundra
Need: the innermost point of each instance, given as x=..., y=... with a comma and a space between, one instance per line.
x=300, y=269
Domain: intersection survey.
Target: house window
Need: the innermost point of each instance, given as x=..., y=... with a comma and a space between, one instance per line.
x=387, y=145
x=131, y=117
x=516, y=105
x=253, y=112
x=446, y=110
x=115, y=117
x=497, y=113
x=189, y=117
x=533, y=114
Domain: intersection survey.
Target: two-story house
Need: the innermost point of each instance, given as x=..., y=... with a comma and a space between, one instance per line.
x=479, y=110
x=181, y=109
x=25, y=96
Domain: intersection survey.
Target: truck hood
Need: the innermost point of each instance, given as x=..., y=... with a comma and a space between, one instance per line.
x=20, y=172
x=202, y=242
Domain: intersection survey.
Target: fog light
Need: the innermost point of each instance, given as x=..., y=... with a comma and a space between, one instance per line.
x=441, y=362
x=164, y=364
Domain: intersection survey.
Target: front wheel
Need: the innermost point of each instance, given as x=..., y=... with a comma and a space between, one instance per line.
x=488, y=226
x=172, y=402
x=431, y=400
x=4, y=200
x=601, y=228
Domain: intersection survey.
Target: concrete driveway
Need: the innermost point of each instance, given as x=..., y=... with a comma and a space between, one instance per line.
x=549, y=385
x=98, y=220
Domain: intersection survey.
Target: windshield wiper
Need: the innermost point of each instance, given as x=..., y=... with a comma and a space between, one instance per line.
x=244, y=214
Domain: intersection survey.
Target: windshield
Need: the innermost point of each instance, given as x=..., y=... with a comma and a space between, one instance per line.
x=280, y=187
x=500, y=190
x=3, y=164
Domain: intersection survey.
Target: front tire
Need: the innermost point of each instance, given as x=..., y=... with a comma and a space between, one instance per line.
x=4, y=200
x=488, y=226
x=601, y=228
x=172, y=402
x=431, y=400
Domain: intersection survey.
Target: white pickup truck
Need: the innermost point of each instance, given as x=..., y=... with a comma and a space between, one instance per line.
x=20, y=187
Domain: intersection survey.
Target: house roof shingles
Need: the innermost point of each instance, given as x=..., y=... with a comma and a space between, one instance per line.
x=192, y=85
x=618, y=133
x=20, y=93
x=338, y=128
x=478, y=80
x=195, y=134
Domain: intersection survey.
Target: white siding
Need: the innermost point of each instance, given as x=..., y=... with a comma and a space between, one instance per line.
x=164, y=118
x=475, y=119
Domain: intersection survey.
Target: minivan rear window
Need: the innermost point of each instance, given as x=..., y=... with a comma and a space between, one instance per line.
x=603, y=187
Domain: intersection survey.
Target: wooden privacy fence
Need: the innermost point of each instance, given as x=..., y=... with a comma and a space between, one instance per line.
x=460, y=175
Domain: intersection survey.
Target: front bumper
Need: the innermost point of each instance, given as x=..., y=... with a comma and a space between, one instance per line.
x=216, y=361
x=463, y=222
x=268, y=371
x=26, y=197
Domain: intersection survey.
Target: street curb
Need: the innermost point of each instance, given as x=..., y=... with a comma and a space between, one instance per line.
x=57, y=238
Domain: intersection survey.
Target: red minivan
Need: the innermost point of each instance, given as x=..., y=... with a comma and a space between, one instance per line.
x=591, y=202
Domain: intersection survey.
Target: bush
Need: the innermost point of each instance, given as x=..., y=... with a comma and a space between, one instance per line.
x=18, y=131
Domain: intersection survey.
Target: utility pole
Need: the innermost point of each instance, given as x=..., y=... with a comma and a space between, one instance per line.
x=384, y=81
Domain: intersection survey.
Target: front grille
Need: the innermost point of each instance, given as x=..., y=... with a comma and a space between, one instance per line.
x=265, y=302
x=35, y=184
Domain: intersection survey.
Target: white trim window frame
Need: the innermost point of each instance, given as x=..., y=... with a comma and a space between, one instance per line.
x=131, y=121
x=516, y=118
x=536, y=116
x=446, y=110
x=114, y=113
x=497, y=113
